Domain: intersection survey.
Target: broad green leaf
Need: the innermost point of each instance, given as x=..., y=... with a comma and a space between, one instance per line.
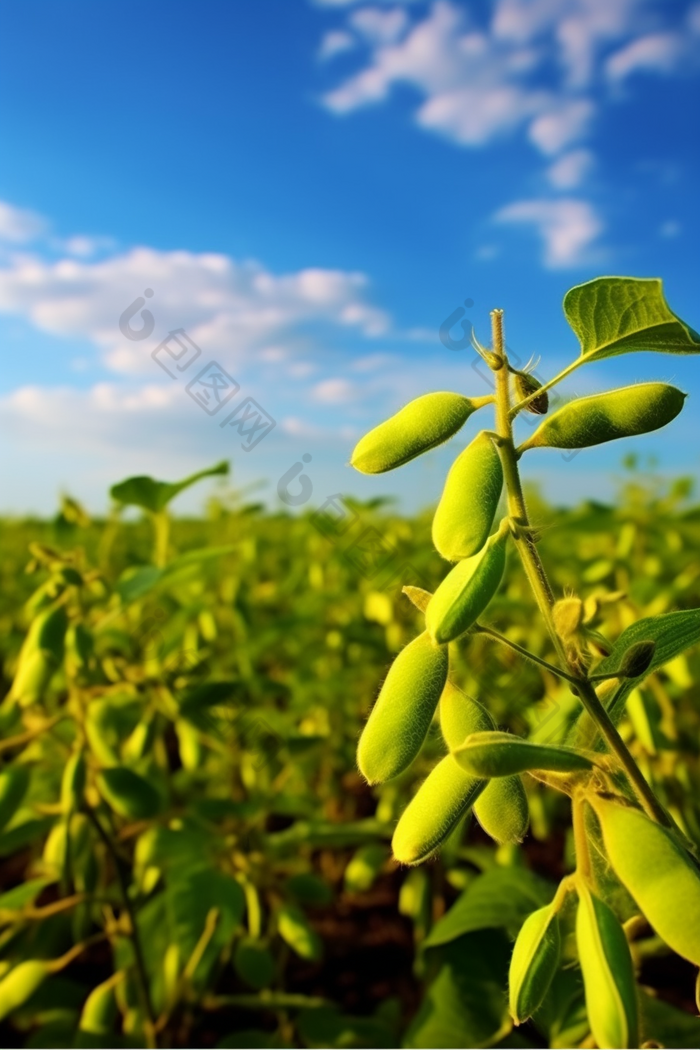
x=616, y=315
x=145, y=492
x=189, y=896
x=327, y=1027
x=664, y=1025
x=465, y=1005
x=673, y=633
x=501, y=898
x=137, y=581
x=18, y=898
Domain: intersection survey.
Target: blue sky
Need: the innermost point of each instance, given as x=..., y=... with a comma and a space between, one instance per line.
x=309, y=189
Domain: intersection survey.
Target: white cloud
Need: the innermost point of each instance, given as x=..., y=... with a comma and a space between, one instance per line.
x=554, y=131
x=334, y=43
x=379, y=27
x=335, y=391
x=670, y=228
x=567, y=227
x=18, y=226
x=570, y=170
x=224, y=305
x=657, y=52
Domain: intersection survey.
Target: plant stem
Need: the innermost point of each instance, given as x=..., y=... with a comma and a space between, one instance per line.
x=542, y=591
x=583, y=857
x=481, y=629
x=144, y=991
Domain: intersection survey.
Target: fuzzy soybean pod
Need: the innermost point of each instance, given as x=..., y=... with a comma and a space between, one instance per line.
x=21, y=982
x=496, y=754
x=466, y=591
x=401, y=717
x=14, y=781
x=419, y=426
x=534, y=963
x=99, y=1011
x=40, y=656
x=73, y=783
x=502, y=809
x=434, y=811
x=604, y=417
x=608, y=974
x=657, y=873
x=469, y=501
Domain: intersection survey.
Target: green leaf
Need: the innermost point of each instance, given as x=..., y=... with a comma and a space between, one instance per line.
x=465, y=1005
x=665, y=1025
x=145, y=492
x=137, y=581
x=18, y=898
x=616, y=315
x=501, y=898
x=327, y=1027
x=673, y=633
x=190, y=894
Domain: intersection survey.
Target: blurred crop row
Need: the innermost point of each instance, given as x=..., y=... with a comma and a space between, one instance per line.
x=220, y=874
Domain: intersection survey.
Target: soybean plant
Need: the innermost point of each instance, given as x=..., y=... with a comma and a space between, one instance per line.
x=624, y=836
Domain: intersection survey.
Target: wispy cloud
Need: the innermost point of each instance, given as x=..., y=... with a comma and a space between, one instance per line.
x=568, y=227
x=539, y=68
x=239, y=306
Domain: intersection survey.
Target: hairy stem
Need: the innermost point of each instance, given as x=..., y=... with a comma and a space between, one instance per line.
x=497, y=636
x=143, y=986
x=542, y=591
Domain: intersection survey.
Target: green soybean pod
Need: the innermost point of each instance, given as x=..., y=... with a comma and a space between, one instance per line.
x=496, y=754
x=604, y=417
x=14, y=781
x=657, y=873
x=419, y=426
x=434, y=811
x=40, y=655
x=295, y=929
x=608, y=974
x=534, y=963
x=466, y=591
x=21, y=982
x=99, y=1011
x=129, y=794
x=401, y=717
x=469, y=501
x=73, y=783
x=502, y=810
x=461, y=715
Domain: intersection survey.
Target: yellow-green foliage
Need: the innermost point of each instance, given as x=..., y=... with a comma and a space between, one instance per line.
x=128, y=793
x=608, y=974
x=469, y=501
x=466, y=591
x=604, y=417
x=434, y=811
x=400, y=719
x=534, y=962
x=656, y=872
x=418, y=427
x=13, y=787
